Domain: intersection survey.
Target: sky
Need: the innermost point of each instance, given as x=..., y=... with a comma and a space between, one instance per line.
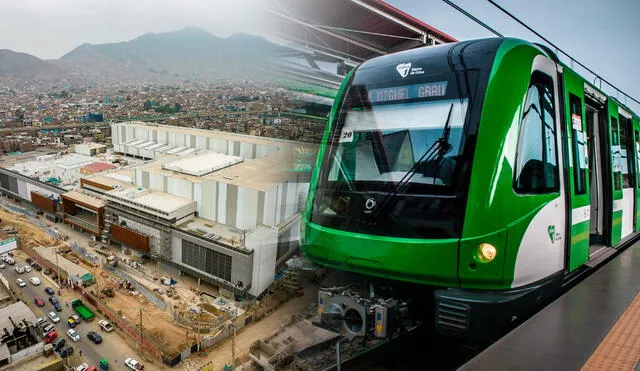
x=49, y=29
x=603, y=35
x=600, y=34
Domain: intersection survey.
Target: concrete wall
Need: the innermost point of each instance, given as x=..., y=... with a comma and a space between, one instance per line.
x=232, y=145
x=263, y=242
x=22, y=186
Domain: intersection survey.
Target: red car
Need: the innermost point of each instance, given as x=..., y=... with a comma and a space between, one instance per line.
x=39, y=301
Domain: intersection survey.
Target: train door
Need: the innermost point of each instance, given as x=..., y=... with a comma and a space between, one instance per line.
x=599, y=174
x=593, y=120
x=627, y=170
x=577, y=171
x=636, y=158
x=617, y=203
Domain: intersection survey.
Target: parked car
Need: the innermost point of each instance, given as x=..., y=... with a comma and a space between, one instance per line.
x=54, y=317
x=40, y=321
x=39, y=301
x=57, y=307
x=48, y=328
x=47, y=272
x=19, y=270
x=64, y=353
x=35, y=281
x=76, y=318
x=27, y=268
x=82, y=367
x=93, y=336
x=71, y=323
x=2, y=265
x=105, y=325
x=53, y=300
x=50, y=336
x=20, y=282
x=49, y=291
x=73, y=334
x=58, y=343
x=133, y=364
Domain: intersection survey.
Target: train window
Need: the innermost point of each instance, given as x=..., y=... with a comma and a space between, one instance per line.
x=536, y=169
x=615, y=153
x=580, y=163
x=626, y=152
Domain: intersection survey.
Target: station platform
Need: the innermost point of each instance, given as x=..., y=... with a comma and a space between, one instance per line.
x=593, y=326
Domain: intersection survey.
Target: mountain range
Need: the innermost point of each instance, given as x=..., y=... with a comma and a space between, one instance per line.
x=190, y=53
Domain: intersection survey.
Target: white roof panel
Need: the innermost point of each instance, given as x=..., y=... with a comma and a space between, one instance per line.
x=202, y=164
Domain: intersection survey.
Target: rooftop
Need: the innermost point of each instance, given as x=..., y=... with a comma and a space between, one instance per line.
x=91, y=145
x=155, y=200
x=72, y=161
x=109, y=181
x=97, y=167
x=202, y=164
x=18, y=311
x=84, y=199
x=211, y=230
x=264, y=173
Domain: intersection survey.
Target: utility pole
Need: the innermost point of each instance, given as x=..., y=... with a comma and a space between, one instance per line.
x=141, y=347
x=58, y=266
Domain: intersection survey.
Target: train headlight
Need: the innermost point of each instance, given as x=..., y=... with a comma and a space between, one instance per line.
x=486, y=252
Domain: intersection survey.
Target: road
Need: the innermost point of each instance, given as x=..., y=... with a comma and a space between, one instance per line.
x=113, y=348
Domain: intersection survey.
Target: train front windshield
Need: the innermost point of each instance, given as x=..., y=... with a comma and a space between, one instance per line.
x=393, y=162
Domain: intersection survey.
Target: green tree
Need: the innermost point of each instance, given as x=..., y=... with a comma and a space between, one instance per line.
x=64, y=94
x=147, y=105
x=177, y=107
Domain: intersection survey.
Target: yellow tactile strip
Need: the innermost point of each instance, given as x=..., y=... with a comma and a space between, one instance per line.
x=620, y=349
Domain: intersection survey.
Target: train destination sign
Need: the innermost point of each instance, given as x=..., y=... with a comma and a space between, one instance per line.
x=428, y=90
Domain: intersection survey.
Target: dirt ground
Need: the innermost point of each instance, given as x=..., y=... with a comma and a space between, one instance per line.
x=157, y=324
x=27, y=231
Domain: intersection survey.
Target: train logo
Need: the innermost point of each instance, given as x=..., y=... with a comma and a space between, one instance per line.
x=370, y=204
x=552, y=232
x=403, y=69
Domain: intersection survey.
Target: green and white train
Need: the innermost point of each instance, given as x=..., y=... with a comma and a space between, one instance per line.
x=462, y=185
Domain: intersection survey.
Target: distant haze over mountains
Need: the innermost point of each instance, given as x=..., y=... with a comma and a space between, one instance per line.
x=190, y=53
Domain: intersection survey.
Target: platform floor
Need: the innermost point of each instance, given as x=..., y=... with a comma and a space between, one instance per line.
x=594, y=326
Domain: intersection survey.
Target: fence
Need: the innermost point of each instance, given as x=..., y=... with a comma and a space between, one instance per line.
x=150, y=295
x=83, y=253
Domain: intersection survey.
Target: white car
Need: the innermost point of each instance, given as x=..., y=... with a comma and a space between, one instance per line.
x=2, y=265
x=54, y=317
x=73, y=335
x=35, y=281
x=105, y=325
x=19, y=270
x=81, y=367
x=133, y=364
x=27, y=268
x=20, y=282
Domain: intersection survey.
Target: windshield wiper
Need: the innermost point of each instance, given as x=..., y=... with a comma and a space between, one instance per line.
x=436, y=151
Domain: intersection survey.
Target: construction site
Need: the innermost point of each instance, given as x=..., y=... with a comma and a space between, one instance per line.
x=175, y=313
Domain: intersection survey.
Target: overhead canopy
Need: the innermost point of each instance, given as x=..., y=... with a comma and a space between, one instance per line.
x=327, y=38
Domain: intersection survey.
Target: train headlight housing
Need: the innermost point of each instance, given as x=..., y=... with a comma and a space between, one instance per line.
x=486, y=252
